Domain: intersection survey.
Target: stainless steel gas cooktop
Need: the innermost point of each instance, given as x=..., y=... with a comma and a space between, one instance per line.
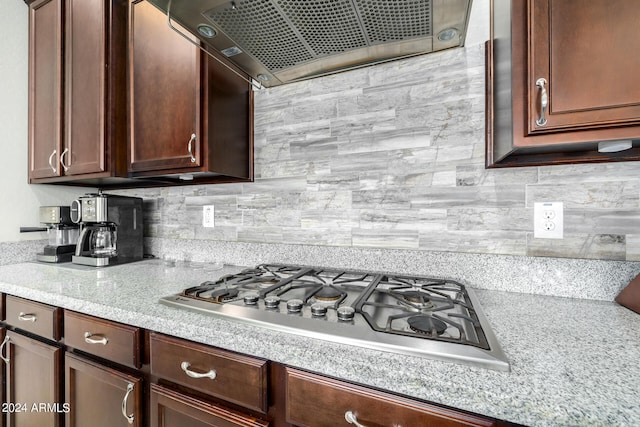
x=418, y=316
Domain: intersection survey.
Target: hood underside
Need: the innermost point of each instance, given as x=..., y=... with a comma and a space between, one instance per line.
x=280, y=41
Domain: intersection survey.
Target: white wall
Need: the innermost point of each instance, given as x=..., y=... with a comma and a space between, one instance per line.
x=19, y=201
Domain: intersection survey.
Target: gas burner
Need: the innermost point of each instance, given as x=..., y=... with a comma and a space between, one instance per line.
x=427, y=325
x=328, y=293
x=224, y=295
x=416, y=298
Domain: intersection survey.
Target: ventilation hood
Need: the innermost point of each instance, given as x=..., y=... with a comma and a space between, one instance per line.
x=281, y=41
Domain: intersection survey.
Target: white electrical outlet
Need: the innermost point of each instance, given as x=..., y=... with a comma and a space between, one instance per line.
x=208, y=218
x=548, y=220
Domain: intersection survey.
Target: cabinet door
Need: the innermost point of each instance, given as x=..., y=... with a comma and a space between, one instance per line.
x=587, y=57
x=45, y=88
x=34, y=384
x=99, y=396
x=86, y=67
x=164, y=78
x=172, y=409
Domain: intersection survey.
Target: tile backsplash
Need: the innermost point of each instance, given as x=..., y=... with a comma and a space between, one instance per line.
x=392, y=157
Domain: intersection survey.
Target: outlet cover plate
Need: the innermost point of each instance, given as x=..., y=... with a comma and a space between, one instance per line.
x=548, y=220
x=208, y=217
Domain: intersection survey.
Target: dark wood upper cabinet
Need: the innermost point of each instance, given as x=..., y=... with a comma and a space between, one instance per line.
x=45, y=88
x=560, y=81
x=77, y=60
x=188, y=113
x=583, y=53
x=165, y=94
x=118, y=99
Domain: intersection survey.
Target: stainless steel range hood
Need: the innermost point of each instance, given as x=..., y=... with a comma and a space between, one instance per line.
x=280, y=41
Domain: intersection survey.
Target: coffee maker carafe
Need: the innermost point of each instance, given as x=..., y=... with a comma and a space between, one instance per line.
x=110, y=229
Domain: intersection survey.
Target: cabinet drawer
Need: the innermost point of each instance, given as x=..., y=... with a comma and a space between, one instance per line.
x=232, y=377
x=170, y=408
x=103, y=338
x=40, y=319
x=313, y=400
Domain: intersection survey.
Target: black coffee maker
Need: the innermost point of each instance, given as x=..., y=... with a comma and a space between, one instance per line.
x=110, y=229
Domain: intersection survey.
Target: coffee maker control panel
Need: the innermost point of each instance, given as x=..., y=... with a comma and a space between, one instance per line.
x=55, y=215
x=89, y=209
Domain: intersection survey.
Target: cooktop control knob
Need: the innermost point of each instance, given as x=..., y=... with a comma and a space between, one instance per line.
x=251, y=298
x=272, y=302
x=346, y=313
x=294, y=305
x=318, y=309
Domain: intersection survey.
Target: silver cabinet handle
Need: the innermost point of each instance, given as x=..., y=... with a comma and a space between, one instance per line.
x=352, y=419
x=544, y=101
x=4, y=343
x=185, y=367
x=65, y=167
x=27, y=317
x=53, y=168
x=129, y=418
x=102, y=340
x=190, y=147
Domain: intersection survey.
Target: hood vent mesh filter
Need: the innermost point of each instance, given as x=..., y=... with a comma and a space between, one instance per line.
x=285, y=33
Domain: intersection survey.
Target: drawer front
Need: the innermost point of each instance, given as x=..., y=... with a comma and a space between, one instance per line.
x=103, y=338
x=313, y=400
x=170, y=408
x=40, y=319
x=229, y=376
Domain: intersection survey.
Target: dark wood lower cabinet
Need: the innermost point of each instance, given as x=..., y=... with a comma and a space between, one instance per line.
x=99, y=396
x=170, y=408
x=118, y=375
x=34, y=387
x=317, y=401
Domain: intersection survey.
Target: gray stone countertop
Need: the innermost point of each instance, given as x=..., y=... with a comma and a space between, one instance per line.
x=573, y=362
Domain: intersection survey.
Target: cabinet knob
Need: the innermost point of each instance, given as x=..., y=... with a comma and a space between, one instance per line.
x=544, y=101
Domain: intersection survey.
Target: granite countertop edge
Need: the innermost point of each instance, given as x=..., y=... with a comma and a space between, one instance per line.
x=552, y=382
